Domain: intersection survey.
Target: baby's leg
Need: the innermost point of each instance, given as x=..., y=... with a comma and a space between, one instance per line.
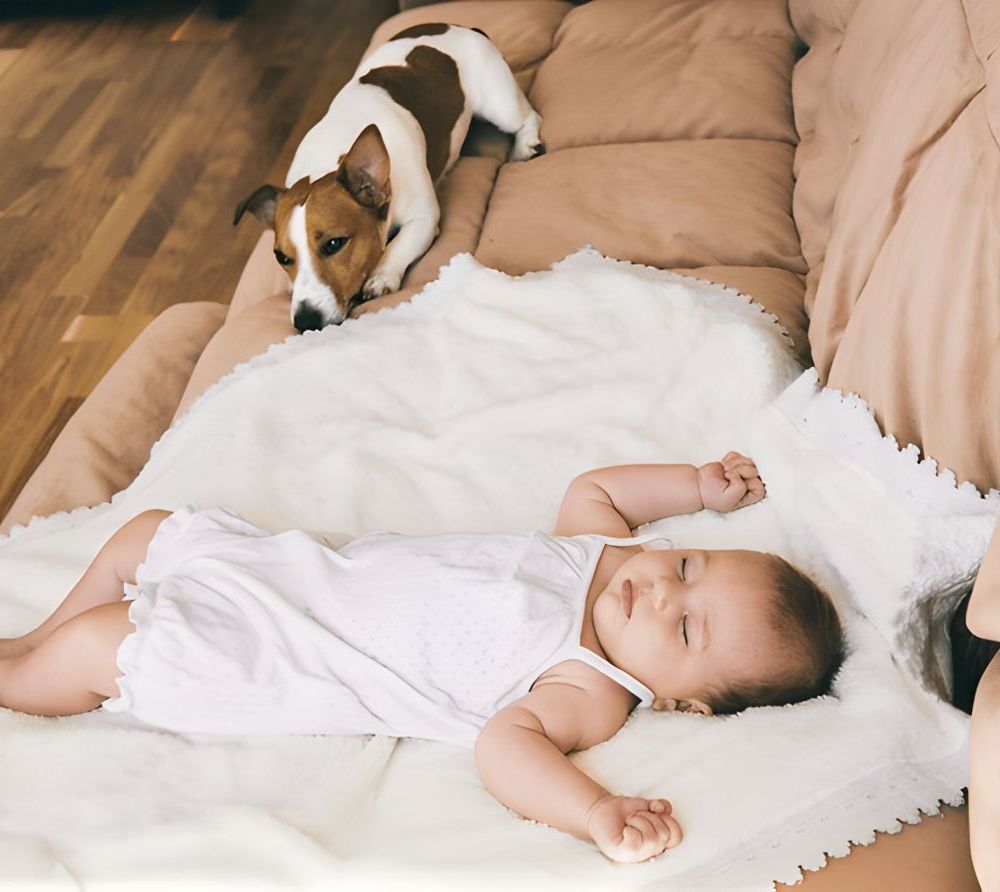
x=103, y=581
x=73, y=670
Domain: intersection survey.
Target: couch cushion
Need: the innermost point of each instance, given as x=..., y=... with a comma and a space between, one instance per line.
x=896, y=199
x=674, y=203
x=693, y=71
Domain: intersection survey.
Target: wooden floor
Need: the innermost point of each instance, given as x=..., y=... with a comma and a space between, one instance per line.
x=127, y=137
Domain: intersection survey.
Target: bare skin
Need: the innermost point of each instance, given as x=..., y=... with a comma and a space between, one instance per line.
x=983, y=619
x=67, y=665
x=671, y=618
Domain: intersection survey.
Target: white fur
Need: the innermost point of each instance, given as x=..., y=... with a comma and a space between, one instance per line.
x=309, y=288
x=490, y=92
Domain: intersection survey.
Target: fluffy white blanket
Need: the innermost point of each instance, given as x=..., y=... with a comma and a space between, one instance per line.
x=470, y=408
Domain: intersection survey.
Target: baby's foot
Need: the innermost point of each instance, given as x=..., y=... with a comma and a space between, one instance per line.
x=13, y=647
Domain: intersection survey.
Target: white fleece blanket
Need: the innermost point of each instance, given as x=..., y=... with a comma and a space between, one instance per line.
x=470, y=408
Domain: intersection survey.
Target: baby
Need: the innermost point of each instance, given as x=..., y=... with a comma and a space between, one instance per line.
x=526, y=646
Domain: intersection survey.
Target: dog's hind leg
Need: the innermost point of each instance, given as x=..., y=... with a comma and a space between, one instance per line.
x=527, y=143
x=497, y=98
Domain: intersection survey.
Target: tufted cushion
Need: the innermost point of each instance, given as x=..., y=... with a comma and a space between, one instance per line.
x=672, y=203
x=694, y=70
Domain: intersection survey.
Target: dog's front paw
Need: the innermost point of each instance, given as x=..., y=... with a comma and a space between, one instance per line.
x=381, y=282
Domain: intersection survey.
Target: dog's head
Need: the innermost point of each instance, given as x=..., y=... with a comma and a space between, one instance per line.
x=330, y=233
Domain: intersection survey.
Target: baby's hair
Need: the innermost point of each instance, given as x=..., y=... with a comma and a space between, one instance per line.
x=805, y=617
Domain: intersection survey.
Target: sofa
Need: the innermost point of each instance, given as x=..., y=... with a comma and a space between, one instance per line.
x=835, y=160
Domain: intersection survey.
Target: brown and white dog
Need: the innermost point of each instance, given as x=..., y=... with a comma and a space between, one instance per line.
x=359, y=204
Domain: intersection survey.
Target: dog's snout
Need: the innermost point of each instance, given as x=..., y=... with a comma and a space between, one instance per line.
x=307, y=318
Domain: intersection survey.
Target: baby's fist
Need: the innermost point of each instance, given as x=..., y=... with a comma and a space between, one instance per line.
x=729, y=484
x=632, y=829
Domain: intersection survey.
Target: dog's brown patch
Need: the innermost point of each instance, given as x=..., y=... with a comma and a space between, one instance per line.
x=294, y=195
x=333, y=213
x=427, y=29
x=428, y=86
x=350, y=203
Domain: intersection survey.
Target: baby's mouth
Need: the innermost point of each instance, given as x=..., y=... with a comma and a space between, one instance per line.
x=627, y=598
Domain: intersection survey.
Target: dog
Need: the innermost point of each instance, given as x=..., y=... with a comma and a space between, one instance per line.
x=359, y=203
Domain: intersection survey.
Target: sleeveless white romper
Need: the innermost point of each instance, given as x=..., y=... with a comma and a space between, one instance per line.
x=243, y=632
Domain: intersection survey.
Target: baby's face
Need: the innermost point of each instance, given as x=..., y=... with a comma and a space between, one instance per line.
x=686, y=622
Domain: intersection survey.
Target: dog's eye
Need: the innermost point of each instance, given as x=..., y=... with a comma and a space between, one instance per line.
x=283, y=259
x=332, y=245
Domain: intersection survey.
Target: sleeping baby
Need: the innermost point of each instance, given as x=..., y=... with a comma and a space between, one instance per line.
x=525, y=646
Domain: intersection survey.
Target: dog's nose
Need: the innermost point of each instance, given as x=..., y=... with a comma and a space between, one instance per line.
x=307, y=318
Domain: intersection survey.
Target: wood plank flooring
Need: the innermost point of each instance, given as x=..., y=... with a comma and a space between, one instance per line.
x=128, y=133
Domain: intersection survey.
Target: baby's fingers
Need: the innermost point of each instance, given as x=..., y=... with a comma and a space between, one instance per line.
x=644, y=836
x=736, y=486
x=658, y=832
x=744, y=466
x=632, y=840
x=643, y=822
x=674, y=829
x=755, y=492
x=668, y=831
x=732, y=459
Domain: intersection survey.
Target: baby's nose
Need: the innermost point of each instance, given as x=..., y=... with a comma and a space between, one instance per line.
x=660, y=594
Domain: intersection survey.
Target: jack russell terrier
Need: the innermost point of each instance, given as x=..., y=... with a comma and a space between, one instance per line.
x=359, y=204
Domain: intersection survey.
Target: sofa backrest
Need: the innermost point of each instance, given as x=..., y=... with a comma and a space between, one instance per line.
x=897, y=201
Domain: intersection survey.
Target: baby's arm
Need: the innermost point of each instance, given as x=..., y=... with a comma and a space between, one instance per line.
x=641, y=493
x=521, y=758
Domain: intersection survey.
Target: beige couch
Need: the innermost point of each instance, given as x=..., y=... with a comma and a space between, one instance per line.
x=851, y=189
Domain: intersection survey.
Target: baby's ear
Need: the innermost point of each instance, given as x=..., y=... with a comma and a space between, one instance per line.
x=699, y=706
x=667, y=704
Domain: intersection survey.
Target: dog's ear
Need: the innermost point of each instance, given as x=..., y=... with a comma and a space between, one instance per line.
x=261, y=204
x=364, y=170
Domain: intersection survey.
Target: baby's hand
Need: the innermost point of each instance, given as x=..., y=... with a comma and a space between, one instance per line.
x=632, y=829
x=729, y=484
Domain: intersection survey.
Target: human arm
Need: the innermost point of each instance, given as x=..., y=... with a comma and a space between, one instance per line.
x=984, y=780
x=983, y=614
x=616, y=499
x=521, y=758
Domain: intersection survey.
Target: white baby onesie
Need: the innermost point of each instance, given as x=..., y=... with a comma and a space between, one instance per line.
x=243, y=632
